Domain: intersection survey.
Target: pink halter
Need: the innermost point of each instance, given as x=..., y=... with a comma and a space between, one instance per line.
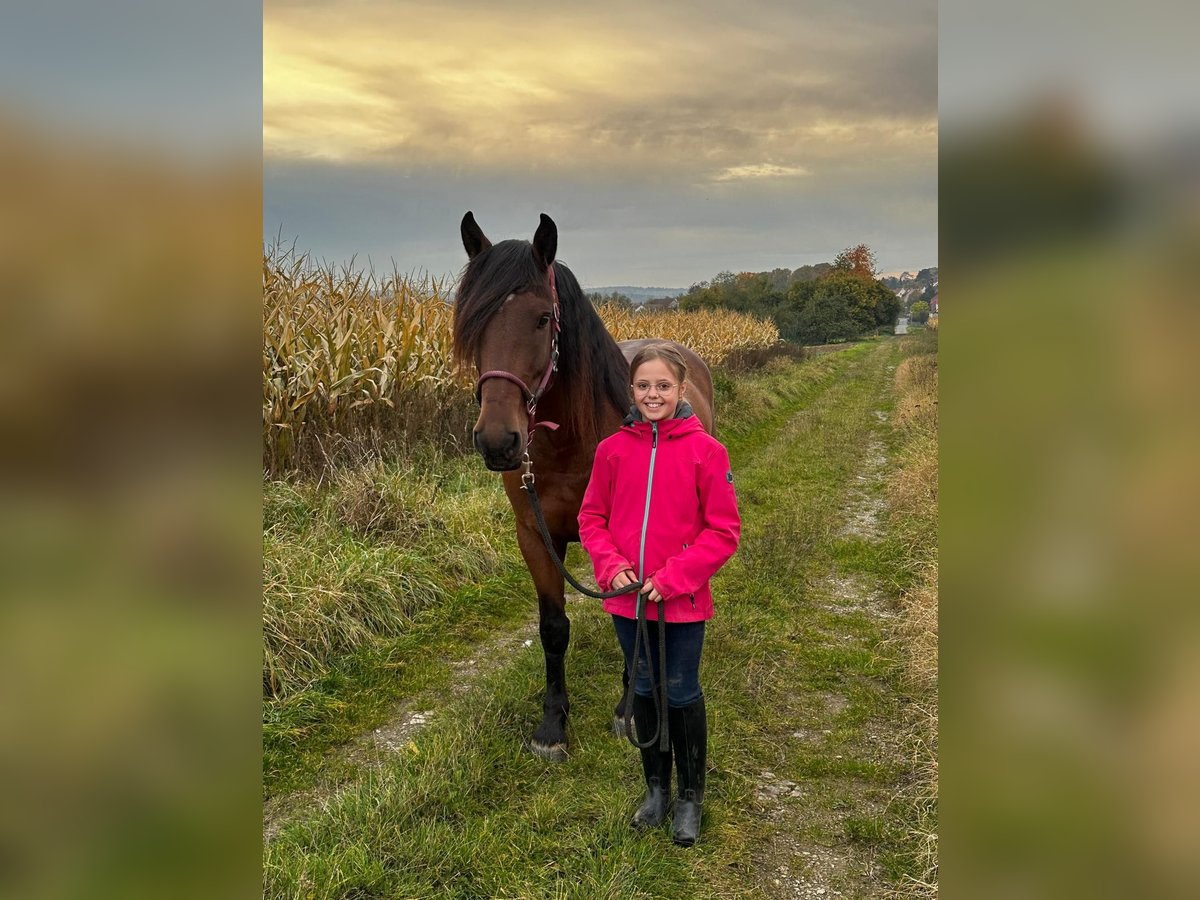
x=532, y=397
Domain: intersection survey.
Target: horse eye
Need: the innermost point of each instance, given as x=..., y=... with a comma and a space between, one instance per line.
x=544, y=320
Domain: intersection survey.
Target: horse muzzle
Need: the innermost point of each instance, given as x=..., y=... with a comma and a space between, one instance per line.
x=501, y=450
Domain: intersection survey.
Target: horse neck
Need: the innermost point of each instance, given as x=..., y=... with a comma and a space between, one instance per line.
x=554, y=406
x=566, y=442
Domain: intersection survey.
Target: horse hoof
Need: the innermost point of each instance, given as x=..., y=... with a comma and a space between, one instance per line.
x=552, y=752
x=618, y=727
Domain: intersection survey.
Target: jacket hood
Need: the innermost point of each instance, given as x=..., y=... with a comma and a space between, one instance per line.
x=683, y=422
x=682, y=411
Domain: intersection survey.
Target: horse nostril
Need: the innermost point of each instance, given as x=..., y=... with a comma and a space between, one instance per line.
x=515, y=440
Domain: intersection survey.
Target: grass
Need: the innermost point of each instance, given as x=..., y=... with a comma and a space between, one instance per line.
x=913, y=505
x=804, y=682
x=371, y=582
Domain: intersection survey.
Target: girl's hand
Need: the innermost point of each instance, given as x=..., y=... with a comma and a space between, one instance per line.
x=622, y=579
x=654, y=595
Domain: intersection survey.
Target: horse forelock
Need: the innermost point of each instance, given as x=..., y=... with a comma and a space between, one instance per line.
x=487, y=282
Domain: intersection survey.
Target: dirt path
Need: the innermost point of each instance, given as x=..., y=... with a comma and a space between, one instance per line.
x=794, y=864
x=372, y=749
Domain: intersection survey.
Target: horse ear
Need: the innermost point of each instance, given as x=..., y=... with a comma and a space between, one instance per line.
x=545, y=242
x=474, y=240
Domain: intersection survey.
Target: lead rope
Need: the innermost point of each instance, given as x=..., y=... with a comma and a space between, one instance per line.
x=662, y=732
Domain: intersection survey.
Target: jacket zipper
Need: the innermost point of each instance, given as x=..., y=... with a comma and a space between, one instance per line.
x=646, y=515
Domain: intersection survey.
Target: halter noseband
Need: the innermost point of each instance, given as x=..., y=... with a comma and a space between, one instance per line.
x=531, y=397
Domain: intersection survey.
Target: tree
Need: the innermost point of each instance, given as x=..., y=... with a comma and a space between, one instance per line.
x=919, y=312
x=779, y=278
x=812, y=304
x=859, y=260
x=887, y=304
x=788, y=311
x=826, y=316
x=809, y=273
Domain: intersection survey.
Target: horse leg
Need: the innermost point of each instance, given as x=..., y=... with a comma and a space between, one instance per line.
x=550, y=737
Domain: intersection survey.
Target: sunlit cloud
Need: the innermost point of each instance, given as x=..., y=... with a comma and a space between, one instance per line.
x=665, y=89
x=762, y=170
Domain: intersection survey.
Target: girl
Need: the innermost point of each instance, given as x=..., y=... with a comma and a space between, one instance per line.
x=660, y=508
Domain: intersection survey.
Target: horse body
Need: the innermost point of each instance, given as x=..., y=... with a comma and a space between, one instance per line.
x=506, y=326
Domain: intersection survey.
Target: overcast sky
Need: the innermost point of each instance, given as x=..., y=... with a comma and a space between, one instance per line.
x=669, y=141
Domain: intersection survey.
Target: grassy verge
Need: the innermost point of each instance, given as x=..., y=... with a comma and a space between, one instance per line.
x=805, y=692
x=913, y=504
x=374, y=580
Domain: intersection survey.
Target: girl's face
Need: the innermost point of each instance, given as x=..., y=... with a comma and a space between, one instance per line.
x=656, y=390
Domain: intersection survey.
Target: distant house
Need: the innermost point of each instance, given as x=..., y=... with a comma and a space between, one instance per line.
x=933, y=307
x=660, y=304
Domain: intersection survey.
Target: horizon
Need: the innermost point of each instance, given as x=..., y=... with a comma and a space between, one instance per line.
x=452, y=277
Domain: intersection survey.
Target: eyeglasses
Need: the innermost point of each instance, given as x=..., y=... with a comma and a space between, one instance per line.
x=663, y=387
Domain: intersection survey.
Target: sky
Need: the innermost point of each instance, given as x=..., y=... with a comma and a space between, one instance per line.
x=669, y=141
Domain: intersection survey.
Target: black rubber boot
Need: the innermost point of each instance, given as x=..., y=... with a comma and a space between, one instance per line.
x=689, y=738
x=656, y=767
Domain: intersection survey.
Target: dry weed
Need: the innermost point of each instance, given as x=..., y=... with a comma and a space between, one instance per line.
x=913, y=503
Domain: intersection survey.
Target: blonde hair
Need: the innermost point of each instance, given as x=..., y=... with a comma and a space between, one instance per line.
x=668, y=354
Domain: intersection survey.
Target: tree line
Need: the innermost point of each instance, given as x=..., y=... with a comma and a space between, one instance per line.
x=811, y=305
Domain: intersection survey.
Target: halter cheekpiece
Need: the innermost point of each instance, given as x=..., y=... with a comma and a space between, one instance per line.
x=532, y=397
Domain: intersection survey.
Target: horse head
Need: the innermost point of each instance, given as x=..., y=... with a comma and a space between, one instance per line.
x=506, y=324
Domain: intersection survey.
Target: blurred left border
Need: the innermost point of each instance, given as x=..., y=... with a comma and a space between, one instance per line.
x=130, y=490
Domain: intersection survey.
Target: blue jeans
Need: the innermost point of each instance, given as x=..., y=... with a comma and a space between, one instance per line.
x=685, y=641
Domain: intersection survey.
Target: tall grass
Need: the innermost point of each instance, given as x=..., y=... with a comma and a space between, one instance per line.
x=368, y=575
x=913, y=503
x=361, y=556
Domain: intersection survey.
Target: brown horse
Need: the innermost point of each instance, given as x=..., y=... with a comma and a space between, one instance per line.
x=545, y=358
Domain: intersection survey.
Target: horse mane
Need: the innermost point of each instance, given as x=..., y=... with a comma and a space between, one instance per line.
x=592, y=372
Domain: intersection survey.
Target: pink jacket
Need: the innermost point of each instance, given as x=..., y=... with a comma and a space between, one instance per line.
x=690, y=527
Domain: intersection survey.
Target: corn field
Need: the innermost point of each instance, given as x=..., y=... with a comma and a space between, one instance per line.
x=358, y=365
x=715, y=334
x=353, y=363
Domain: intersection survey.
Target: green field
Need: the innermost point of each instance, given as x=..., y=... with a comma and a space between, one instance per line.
x=401, y=689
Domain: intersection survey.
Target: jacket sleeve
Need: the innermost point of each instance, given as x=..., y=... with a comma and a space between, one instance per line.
x=594, y=533
x=688, y=571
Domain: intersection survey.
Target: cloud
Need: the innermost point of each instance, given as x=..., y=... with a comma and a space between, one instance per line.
x=671, y=89
x=761, y=170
